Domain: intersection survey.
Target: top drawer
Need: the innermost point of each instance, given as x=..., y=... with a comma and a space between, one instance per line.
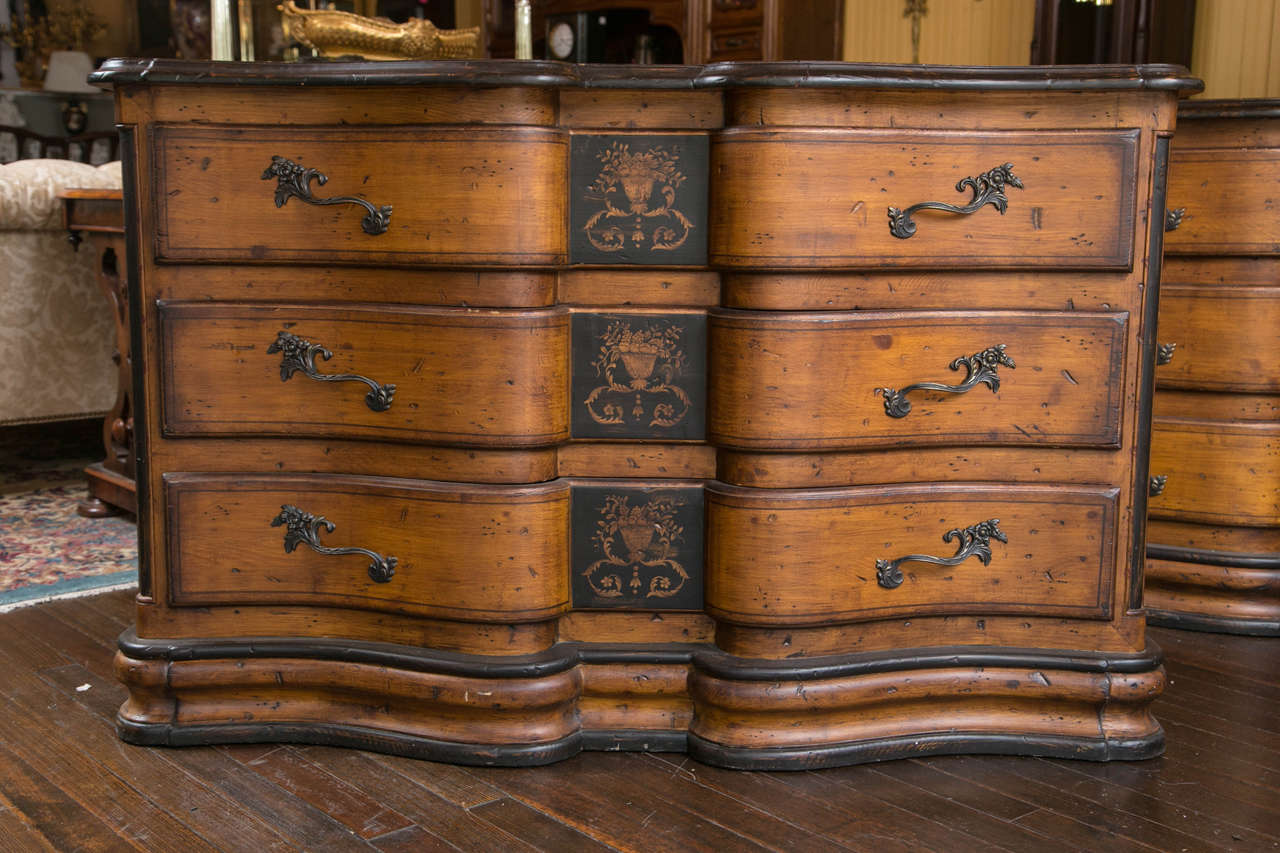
x=1231, y=199
x=824, y=198
x=455, y=196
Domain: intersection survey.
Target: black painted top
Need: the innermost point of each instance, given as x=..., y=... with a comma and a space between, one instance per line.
x=506, y=72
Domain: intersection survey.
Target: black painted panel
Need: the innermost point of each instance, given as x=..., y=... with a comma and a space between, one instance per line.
x=639, y=376
x=638, y=199
x=637, y=547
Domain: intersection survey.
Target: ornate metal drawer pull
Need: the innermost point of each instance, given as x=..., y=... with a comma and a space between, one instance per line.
x=303, y=528
x=300, y=355
x=1173, y=217
x=988, y=188
x=981, y=367
x=294, y=181
x=1164, y=353
x=974, y=541
x=1155, y=487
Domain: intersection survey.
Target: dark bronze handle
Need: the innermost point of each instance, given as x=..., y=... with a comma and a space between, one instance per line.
x=300, y=355
x=973, y=541
x=1155, y=487
x=1173, y=218
x=294, y=181
x=734, y=42
x=981, y=367
x=988, y=188
x=303, y=528
x=1164, y=353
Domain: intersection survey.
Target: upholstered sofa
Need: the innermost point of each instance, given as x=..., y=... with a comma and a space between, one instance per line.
x=56, y=329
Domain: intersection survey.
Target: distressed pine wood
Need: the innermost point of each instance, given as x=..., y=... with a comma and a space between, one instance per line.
x=221, y=380
x=449, y=207
x=818, y=380
x=473, y=652
x=778, y=194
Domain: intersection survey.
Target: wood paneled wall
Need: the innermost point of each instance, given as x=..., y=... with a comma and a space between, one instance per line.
x=954, y=32
x=1237, y=48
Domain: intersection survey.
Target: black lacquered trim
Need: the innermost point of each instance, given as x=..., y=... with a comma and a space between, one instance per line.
x=1229, y=108
x=635, y=740
x=1213, y=558
x=1147, y=372
x=917, y=746
x=503, y=72
x=593, y=653
x=355, y=737
x=1214, y=624
x=491, y=72
x=137, y=353
x=564, y=656
x=721, y=665
x=1072, y=78
x=558, y=658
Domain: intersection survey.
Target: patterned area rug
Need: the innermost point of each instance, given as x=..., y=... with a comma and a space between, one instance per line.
x=47, y=550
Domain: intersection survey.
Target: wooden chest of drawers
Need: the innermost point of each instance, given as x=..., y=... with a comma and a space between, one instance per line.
x=793, y=415
x=1213, y=556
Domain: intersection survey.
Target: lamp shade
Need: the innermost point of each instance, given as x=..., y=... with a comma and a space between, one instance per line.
x=68, y=71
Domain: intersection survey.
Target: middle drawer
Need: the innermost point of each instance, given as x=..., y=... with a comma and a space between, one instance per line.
x=793, y=381
x=479, y=378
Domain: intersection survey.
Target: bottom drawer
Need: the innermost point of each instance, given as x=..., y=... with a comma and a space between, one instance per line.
x=839, y=555
x=1216, y=472
x=451, y=551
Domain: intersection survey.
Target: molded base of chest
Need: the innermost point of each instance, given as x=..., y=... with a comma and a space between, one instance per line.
x=723, y=710
x=1218, y=591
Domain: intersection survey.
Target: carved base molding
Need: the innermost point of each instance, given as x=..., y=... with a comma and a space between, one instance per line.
x=1203, y=591
x=537, y=709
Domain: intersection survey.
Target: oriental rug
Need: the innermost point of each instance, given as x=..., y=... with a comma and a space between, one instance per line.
x=47, y=550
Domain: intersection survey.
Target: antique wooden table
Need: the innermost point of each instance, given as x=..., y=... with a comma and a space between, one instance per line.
x=101, y=213
x=790, y=414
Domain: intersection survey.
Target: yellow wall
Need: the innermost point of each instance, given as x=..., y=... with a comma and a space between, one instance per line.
x=954, y=32
x=1237, y=48
x=468, y=13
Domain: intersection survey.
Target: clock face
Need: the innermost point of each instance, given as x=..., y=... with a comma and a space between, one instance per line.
x=560, y=40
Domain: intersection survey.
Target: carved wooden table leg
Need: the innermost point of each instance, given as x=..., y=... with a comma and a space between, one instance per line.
x=112, y=486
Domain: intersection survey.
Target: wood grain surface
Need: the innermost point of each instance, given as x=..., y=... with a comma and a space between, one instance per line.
x=784, y=557
x=470, y=196
x=478, y=553
x=817, y=380
x=778, y=206
x=221, y=380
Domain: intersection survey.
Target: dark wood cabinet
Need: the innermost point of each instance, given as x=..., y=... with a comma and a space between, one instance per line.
x=1072, y=32
x=703, y=30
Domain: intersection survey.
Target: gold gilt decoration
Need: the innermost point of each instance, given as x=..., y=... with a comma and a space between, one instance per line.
x=334, y=33
x=639, y=196
x=638, y=544
x=640, y=368
x=67, y=27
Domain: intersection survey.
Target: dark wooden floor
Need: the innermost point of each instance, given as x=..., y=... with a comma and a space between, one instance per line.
x=66, y=783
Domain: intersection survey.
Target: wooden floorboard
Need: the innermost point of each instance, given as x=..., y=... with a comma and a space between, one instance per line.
x=67, y=782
